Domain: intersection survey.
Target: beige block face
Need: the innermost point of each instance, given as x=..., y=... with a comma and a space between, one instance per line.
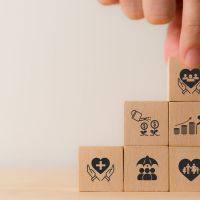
x=184, y=123
x=146, y=168
x=146, y=123
x=101, y=169
x=184, y=83
x=184, y=169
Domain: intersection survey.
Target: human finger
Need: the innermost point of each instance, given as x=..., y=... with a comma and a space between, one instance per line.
x=108, y=2
x=132, y=8
x=190, y=33
x=159, y=11
x=171, y=47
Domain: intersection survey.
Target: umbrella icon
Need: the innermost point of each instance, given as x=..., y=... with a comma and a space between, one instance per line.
x=147, y=161
x=147, y=171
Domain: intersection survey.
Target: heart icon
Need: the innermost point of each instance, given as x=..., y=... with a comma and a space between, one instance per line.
x=190, y=77
x=190, y=169
x=100, y=165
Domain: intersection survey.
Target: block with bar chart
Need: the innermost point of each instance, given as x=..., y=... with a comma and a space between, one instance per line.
x=187, y=127
x=184, y=124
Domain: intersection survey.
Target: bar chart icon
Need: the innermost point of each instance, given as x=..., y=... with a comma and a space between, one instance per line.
x=187, y=127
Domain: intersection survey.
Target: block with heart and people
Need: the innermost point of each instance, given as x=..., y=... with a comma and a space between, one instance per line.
x=183, y=82
x=161, y=149
x=184, y=169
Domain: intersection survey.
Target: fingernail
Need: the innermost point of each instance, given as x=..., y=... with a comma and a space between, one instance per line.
x=192, y=58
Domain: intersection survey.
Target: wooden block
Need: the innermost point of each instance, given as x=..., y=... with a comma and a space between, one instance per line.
x=184, y=169
x=184, y=123
x=184, y=83
x=146, y=123
x=101, y=169
x=145, y=168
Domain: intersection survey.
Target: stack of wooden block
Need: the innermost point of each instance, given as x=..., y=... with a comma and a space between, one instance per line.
x=162, y=143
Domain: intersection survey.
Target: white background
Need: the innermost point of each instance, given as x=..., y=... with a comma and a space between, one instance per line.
x=66, y=68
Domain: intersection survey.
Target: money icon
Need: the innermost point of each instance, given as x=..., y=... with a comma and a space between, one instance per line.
x=146, y=123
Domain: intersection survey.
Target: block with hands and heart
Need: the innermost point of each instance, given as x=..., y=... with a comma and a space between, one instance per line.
x=101, y=168
x=184, y=83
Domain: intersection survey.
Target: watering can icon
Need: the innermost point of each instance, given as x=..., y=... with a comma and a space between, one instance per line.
x=137, y=116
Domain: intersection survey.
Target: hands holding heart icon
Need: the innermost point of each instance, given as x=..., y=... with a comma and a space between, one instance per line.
x=98, y=170
x=189, y=81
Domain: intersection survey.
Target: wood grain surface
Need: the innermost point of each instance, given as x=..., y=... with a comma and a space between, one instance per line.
x=61, y=184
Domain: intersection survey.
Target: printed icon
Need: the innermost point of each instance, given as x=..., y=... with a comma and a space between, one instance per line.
x=100, y=165
x=190, y=126
x=189, y=81
x=145, y=124
x=190, y=169
x=147, y=169
x=100, y=169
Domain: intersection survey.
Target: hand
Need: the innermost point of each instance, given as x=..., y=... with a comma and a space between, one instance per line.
x=197, y=88
x=182, y=86
x=183, y=16
x=91, y=173
x=109, y=173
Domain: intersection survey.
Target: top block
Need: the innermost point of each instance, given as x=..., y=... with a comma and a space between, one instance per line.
x=184, y=83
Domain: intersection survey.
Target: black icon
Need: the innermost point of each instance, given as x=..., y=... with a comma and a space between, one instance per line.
x=137, y=116
x=189, y=81
x=144, y=127
x=147, y=169
x=154, y=125
x=100, y=171
x=190, y=126
x=100, y=165
x=190, y=169
x=145, y=124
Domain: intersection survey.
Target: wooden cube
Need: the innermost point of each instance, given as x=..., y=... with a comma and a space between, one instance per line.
x=101, y=169
x=146, y=123
x=184, y=83
x=145, y=168
x=184, y=123
x=184, y=169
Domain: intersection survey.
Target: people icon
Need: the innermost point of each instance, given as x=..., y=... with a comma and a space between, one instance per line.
x=147, y=169
x=189, y=81
x=185, y=77
x=191, y=169
x=196, y=77
x=190, y=78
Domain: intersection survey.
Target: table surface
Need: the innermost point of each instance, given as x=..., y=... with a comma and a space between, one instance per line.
x=61, y=184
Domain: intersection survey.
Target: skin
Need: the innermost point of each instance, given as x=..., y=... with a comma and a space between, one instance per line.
x=182, y=17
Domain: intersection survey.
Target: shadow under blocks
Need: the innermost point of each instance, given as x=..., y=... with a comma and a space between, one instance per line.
x=161, y=151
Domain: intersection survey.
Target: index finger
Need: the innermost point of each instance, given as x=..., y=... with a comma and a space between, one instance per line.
x=190, y=33
x=108, y=2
